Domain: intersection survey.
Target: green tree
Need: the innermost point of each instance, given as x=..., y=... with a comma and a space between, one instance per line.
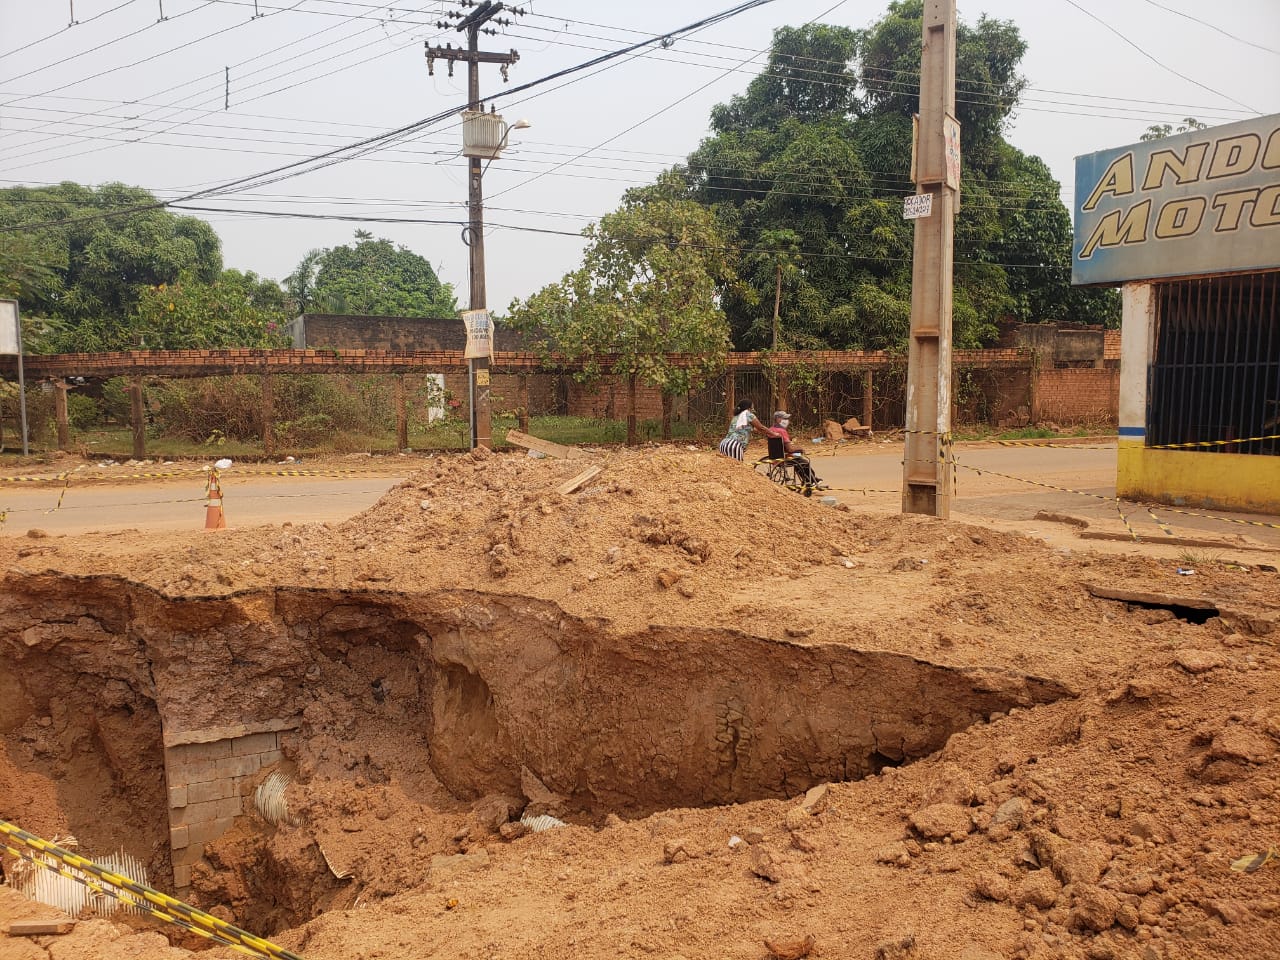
x=1158, y=131
x=370, y=277
x=91, y=272
x=647, y=288
x=819, y=146
x=240, y=309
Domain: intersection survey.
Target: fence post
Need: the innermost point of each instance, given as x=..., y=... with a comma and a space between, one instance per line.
x=60, y=412
x=730, y=393
x=1033, y=388
x=666, y=414
x=632, y=436
x=268, y=415
x=867, y=396
x=138, y=419
x=402, y=413
x=524, y=403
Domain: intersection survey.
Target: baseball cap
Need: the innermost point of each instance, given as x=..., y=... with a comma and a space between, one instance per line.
x=781, y=415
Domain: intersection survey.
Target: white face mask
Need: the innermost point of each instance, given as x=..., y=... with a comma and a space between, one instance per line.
x=784, y=423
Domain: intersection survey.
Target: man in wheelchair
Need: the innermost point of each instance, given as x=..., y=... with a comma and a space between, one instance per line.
x=787, y=463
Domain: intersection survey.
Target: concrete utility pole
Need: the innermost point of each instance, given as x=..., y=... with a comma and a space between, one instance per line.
x=473, y=24
x=926, y=477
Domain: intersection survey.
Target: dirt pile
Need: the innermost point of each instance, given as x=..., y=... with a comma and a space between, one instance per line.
x=618, y=642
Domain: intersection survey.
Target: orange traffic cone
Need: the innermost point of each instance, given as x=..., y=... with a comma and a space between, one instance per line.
x=214, y=518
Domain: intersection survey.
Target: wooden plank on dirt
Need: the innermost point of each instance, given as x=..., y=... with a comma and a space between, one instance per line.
x=569, y=486
x=547, y=447
x=1152, y=599
x=40, y=928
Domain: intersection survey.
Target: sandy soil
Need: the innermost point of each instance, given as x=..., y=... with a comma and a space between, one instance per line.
x=1101, y=825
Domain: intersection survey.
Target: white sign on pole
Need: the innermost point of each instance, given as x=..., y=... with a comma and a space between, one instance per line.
x=10, y=335
x=917, y=205
x=479, y=333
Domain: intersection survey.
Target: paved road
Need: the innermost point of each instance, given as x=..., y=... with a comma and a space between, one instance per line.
x=983, y=495
x=248, y=501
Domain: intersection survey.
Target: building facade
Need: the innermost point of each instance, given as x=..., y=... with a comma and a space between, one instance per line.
x=1189, y=228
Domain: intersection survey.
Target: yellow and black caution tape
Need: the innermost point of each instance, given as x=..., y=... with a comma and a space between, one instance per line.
x=62, y=495
x=1049, y=486
x=44, y=854
x=1041, y=443
x=1168, y=531
x=1211, y=443
x=1209, y=516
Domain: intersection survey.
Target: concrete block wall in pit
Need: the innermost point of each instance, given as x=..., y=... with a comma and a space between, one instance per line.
x=210, y=774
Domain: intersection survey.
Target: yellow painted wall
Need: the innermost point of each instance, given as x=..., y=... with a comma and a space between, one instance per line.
x=1234, y=481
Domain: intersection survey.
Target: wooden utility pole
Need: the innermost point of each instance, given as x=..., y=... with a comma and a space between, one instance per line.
x=926, y=478
x=473, y=24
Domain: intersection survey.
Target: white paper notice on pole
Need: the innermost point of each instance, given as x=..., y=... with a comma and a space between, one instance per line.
x=10, y=337
x=479, y=333
x=917, y=205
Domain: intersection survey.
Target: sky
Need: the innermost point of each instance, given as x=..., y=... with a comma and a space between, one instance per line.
x=219, y=90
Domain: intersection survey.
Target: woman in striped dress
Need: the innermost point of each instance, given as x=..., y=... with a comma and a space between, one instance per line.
x=744, y=421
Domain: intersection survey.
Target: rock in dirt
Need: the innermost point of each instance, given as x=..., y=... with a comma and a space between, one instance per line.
x=513, y=831
x=950, y=783
x=766, y=865
x=541, y=800
x=1228, y=911
x=815, y=799
x=1241, y=743
x=1199, y=661
x=900, y=949
x=993, y=886
x=1095, y=909
x=1012, y=812
x=35, y=533
x=791, y=949
x=797, y=818
x=1070, y=862
x=942, y=820
x=894, y=853
x=495, y=810
x=832, y=430
x=1040, y=888
x=676, y=851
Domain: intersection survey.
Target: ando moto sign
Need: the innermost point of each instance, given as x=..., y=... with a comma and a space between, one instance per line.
x=1206, y=201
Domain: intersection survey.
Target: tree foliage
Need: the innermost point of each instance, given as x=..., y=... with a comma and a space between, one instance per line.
x=818, y=148
x=647, y=288
x=372, y=278
x=1158, y=131
x=97, y=268
x=240, y=309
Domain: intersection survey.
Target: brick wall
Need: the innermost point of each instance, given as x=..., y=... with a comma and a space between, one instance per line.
x=609, y=399
x=211, y=779
x=1078, y=395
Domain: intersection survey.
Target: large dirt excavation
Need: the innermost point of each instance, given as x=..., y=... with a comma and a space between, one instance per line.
x=679, y=712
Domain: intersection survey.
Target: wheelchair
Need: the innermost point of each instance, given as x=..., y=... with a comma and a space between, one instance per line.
x=787, y=471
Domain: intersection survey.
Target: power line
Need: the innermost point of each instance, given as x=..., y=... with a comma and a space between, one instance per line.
x=56, y=33
x=1158, y=63
x=1212, y=26
x=359, y=148
x=811, y=255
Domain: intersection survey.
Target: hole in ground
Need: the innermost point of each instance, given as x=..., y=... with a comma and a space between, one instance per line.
x=399, y=712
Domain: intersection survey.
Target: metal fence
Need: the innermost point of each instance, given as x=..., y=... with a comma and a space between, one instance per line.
x=1215, y=375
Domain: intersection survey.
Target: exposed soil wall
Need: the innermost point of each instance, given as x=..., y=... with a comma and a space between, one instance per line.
x=487, y=685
